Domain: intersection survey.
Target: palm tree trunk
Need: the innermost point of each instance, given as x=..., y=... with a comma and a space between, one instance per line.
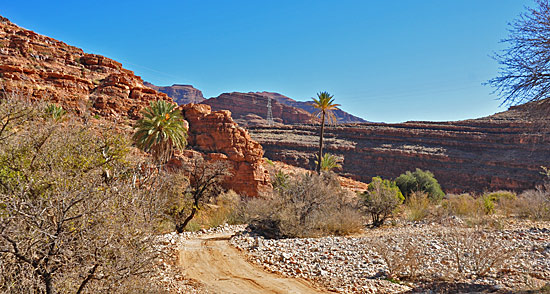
x=321, y=142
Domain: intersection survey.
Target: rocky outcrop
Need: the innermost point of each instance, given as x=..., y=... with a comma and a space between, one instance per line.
x=44, y=68
x=243, y=104
x=181, y=94
x=504, y=151
x=36, y=66
x=217, y=135
x=342, y=116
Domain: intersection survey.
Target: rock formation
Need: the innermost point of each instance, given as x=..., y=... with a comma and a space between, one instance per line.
x=181, y=94
x=215, y=134
x=243, y=104
x=342, y=116
x=503, y=151
x=43, y=68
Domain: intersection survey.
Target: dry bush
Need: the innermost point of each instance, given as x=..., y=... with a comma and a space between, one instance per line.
x=475, y=252
x=308, y=205
x=462, y=205
x=225, y=208
x=196, y=190
x=418, y=206
x=77, y=212
x=403, y=260
x=535, y=204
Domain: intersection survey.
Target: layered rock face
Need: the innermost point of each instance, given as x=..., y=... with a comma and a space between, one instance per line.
x=243, y=104
x=32, y=65
x=504, y=151
x=44, y=68
x=342, y=116
x=181, y=94
x=217, y=135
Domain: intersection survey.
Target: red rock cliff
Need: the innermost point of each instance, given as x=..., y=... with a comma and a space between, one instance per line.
x=216, y=133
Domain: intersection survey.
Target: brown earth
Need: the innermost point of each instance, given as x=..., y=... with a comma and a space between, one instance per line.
x=503, y=151
x=212, y=261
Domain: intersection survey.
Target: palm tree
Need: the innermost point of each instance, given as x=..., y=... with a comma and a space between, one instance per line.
x=329, y=162
x=161, y=130
x=324, y=105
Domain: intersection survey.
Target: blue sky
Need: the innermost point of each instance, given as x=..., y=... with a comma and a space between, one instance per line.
x=387, y=61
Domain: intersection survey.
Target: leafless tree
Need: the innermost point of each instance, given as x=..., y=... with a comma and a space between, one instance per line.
x=525, y=64
x=204, y=183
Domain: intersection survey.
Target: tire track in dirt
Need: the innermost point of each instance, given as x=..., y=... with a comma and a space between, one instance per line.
x=212, y=261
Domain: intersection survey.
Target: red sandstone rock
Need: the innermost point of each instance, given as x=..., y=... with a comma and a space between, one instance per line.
x=215, y=134
x=503, y=151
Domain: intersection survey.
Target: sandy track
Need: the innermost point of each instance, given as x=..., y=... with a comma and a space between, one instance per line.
x=222, y=269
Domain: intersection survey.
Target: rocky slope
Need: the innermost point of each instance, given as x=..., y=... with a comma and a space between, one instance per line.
x=342, y=116
x=181, y=94
x=248, y=108
x=41, y=68
x=504, y=151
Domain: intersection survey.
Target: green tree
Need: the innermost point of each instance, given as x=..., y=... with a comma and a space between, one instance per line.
x=161, y=130
x=324, y=103
x=420, y=181
x=381, y=199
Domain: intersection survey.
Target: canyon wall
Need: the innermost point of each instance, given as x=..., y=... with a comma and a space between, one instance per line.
x=504, y=151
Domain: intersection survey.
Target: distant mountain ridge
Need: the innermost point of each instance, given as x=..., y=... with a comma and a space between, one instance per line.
x=342, y=116
x=184, y=94
x=181, y=94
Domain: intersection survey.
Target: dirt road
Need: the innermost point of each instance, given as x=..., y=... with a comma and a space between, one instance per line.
x=214, y=262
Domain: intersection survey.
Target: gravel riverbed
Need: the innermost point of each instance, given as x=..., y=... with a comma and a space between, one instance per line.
x=430, y=257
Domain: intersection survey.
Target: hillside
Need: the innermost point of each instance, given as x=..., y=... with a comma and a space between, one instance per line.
x=503, y=151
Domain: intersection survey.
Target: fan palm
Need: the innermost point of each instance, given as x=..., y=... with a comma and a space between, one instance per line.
x=161, y=130
x=324, y=103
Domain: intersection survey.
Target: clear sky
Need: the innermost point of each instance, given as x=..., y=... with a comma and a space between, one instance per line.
x=387, y=61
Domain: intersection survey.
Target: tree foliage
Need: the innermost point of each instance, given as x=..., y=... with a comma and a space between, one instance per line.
x=381, y=199
x=420, y=181
x=324, y=103
x=525, y=65
x=161, y=130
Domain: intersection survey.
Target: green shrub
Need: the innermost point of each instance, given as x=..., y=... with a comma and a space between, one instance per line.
x=55, y=112
x=420, y=181
x=381, y=199
x=489, y=200
x=308, y=205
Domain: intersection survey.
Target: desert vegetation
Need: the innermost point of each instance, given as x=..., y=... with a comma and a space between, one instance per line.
x=77, y=212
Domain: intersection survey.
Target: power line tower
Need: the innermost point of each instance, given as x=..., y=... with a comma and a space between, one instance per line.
x=269, y=112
